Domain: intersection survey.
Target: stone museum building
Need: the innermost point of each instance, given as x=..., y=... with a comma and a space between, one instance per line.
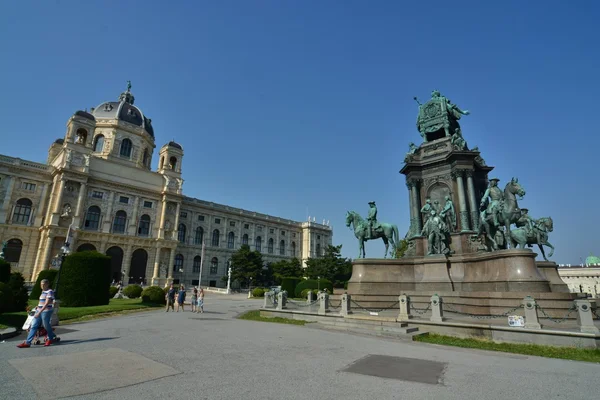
x=582, y=278
x=98, y=189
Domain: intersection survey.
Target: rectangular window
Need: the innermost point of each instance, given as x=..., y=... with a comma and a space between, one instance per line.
x=124, y=199
x=271, y=230
x=231, y=223
x=147, y=204
x=217, y=220
x=97, y=195
x=183, y=214
x=318, y=236
x=246, y=226
x=200, y=218
x=282, y=233
x=294, y=234
x=258, y=228
x=28, y=186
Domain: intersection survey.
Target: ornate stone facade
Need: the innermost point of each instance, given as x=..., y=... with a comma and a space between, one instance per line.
x=98, y=185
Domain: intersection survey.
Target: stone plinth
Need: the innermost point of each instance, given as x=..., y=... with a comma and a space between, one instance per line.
x=550, y=271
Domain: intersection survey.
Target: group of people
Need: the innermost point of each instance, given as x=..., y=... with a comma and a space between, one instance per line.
x=197, y=300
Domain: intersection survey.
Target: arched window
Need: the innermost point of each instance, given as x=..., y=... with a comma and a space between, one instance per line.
x=270, y=246
x=178, y=266
x=92, y=219
x=214, y=266
x=245, y=239
x=293, y=249
x=144, y=228
x=318, y=250
x=215, y=238
x=12, y=252
x=81, y=136
x=22, y=212
x=146, y=158
x=119, y=222
x=181, y=230
x=196, y=265
x=258, y=243
x=99, y=143
x=282, y=248
x=172, y=162
x=126, y=147
x=230, y=240
x=199, y=237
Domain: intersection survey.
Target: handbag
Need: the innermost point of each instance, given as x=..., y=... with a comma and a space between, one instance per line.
x=28, y=322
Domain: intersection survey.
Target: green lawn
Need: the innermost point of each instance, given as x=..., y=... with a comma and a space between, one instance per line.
x=567, y=353
x=254, y=315
x=74, y=314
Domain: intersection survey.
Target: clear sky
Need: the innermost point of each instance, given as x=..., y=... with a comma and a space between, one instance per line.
x=297, y=108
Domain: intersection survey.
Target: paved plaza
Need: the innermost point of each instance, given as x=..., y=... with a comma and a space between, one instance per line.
x=215, y=356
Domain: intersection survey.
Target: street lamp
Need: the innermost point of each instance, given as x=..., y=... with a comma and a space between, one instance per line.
x=57, y=262
x=229, y=280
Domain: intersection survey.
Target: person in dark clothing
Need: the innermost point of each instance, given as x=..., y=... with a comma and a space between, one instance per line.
x=170, y=297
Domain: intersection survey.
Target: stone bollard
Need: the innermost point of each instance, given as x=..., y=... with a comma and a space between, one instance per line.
x=309, y=297
x=346, y=309
x=437, y=313
x=531, y=313
x=585, y=319
x=323, y=303
x=267, y=302
x=404, y=308
x=281, y=300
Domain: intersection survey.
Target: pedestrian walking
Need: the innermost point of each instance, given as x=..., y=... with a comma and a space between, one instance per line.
x=170, y=298
x=42, y=316
x=194, y=300
x=200, y=305
x=181, y=298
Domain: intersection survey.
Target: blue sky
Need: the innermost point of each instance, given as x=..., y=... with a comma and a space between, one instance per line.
x=298, y=108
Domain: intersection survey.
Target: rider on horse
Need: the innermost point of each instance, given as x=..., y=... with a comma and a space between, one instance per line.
x=495, y=196
x=372, y=218
x=530, y=224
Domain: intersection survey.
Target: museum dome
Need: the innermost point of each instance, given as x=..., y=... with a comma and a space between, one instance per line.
x=592, y=260
x=124, y=110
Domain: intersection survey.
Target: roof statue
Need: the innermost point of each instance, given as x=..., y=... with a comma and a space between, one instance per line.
x=438, y=117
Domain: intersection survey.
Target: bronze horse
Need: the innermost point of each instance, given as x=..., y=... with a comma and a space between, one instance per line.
x=387, y=232
x=522, y=236
x=509, y=214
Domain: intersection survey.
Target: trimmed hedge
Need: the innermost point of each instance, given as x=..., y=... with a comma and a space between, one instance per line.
x=133, y=291
x=313, y=284
x=289, y=284
x=16, y=283
x=153, y=295
x=84, y=279
x=112, y=291
x=259, y=292
x=49, y=274
x=4, y=271
x=6, y=298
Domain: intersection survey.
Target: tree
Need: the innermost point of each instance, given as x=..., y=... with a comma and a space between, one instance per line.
x=287, y=268
x=246, y=264
x=331, y=266
x=400, y=248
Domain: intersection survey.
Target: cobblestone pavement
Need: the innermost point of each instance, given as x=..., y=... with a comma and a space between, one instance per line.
x=215, y=356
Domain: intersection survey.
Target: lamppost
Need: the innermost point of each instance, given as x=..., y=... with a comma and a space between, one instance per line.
x=229, y=280
x=57, y=262
x=318, y=283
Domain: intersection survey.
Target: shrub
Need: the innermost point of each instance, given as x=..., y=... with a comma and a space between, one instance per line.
x=49, y=274
x=346, y=285
x=313, y=284
x=6, y=298
x=133, y=291
x=258, y=292
x=305, y=292
x=16, y=283
x=84, y=279
x=289, y=284
x=153, y=295
x=4, y=271
x=112, y=291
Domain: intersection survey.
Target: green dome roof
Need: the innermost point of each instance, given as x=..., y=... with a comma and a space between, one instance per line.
x=591, y=260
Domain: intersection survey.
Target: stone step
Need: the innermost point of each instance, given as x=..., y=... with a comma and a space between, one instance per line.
x=372, y=326
x=408, y=335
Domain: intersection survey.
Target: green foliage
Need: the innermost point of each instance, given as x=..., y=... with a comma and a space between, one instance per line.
x=346, y=285
x=153, y=295
x=133, y=291
x=246, y=264
x=254, y=315
x=259, y=292
x=286, y=268
x=400, y=248
x=49, y=274
x=84, y=279
x=313, y=284
x=332, y=266
x=6, y=298
x=4, y=271
x=304, y=293
x=112, y=291
x=16, y=283
x=289, y=284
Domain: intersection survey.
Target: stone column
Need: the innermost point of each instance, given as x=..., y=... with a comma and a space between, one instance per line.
x=437, y=313
x=108, y=216
x=531, y=313
x=170, y=265
x=156, y=273
x=46, y=256
x=133, y=222
x=40, y=212
x=585, y=319
x=404, y=301
x=346, y=308
x=472, y=200
x=7, y=198
x=161, y=226
x=323, y=303
x=80, y=202
x=127, y=263
x=411, y=228
x=176, y=224
x=462, y=204
x=58, y=196
x=415, y=207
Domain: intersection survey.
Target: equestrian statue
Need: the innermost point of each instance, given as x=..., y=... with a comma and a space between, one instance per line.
x=532, y=231
x=372, y=229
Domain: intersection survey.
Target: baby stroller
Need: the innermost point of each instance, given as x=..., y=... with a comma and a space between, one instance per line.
x=41, y=336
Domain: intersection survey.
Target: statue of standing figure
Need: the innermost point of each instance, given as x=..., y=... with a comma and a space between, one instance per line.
x=448, y=214
x=426, y=210
x=436, y=232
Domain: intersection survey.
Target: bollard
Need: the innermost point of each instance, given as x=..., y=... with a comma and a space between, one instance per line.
x=585, y=319
x=531, y=313
x=323, y=303
x=346, y=309
x=309, y=297
x=281, y=300
x=437, y=314
x=404, y=308
x=267, y=303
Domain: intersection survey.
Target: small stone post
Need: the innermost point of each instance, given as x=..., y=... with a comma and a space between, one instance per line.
x=323, y=303
x=267, y=303
x=437, y=314
x=309, y=297
x=585, y=320
x=346, y=309
x=531, y=313
x=281, y=300
x=404, y=307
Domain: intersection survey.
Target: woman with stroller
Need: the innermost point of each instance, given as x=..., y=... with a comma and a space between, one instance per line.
x=42, y=316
